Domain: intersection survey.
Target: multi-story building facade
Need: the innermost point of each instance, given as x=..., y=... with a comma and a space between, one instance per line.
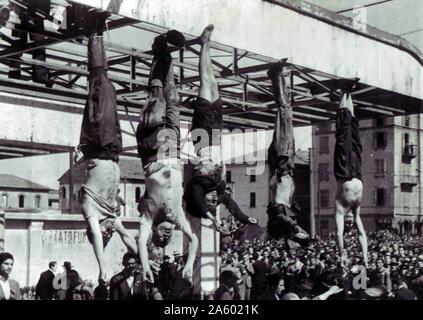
x=22, y=195
x=391, y=172
x=251, y=192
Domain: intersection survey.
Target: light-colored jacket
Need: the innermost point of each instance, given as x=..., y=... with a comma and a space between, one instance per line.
x=15, y=291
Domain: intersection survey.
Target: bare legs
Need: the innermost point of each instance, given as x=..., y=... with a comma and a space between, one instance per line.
x=208, y=83
x=340, y=212
x=339, y=219
x=97, y=242
x=362, y=237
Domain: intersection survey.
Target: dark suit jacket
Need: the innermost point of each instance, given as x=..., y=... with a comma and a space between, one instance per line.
x=267, y=295
x=44, y=289
x=119, y=289
x=223, y=293
x=15, y=291
x=180, y=289
x=405, y=294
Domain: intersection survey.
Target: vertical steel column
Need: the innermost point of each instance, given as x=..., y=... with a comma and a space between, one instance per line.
x=133, y=72
x=181, y=69
x=71, y=190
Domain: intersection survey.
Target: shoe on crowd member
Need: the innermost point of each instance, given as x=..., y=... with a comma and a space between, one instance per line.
x=206, y=189
x=9, y=288
x=101, y=144
x=282, y=209
x=128, y=284
x=77, y=290
x=158, y=138
x=44, y=289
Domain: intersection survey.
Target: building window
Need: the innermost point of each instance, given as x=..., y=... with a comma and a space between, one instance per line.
x=63, y=193
x=5, y=200
x=21, y=201
x=323, y=171
x=252, y=200
x=380, y=167
x=137, y=194
x=380, y=140
x=324, y=198
x=253, y=178
x=379, y=122
x=406, y=121
x=380, y=197
x=37, y=201
x=228, y=177
x=407, y=187
x=406, y=138
x=324, y=228
x=324, y=145
x=324, y=127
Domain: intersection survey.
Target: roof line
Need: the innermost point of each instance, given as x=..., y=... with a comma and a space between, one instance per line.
x=343, y=22
x=365, y=6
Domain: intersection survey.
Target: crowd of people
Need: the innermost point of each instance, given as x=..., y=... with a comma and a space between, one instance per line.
x=259, y=269
x=395, y=268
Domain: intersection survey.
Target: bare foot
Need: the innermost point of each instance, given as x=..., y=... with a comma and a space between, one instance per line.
x=205, y=36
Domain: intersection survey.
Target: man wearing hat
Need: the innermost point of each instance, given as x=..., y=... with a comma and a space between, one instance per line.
x=60, y=281
x=158, y=139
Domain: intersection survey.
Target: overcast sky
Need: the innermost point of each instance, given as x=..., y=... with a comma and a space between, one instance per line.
x=400, y=17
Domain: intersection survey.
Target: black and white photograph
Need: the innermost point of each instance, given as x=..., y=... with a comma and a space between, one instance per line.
x=227, y=151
